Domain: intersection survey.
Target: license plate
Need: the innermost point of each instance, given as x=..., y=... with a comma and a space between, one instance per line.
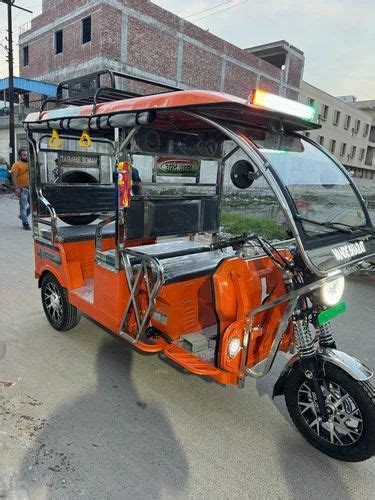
x=331, y=313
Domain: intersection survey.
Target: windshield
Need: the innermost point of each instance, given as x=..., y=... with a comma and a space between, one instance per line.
x=320, y=190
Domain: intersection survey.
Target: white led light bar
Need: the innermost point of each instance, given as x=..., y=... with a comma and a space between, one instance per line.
x=274, y=102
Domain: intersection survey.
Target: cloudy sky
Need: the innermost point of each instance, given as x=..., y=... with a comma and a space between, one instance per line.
x=337, y=36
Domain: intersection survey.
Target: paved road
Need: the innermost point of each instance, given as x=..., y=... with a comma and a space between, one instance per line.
x=91, y=418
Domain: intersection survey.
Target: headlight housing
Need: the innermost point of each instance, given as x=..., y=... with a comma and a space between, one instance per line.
x=331, y=293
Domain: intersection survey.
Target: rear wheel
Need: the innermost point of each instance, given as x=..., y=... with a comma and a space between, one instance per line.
x=60, y=313
x=348, y=435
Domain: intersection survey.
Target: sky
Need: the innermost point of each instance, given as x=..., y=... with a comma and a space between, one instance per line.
x=336, y=36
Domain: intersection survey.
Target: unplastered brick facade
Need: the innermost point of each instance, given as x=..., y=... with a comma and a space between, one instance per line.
x=140, y=38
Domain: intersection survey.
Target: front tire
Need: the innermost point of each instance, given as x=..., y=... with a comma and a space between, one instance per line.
x=59, y=311
x=349, y=433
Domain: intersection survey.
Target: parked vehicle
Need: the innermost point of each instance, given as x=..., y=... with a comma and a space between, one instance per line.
x=156, y=270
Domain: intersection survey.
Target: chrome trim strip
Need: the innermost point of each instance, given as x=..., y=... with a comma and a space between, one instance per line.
x=52, y=214
x=99, y=233
x=292, y=298
x=353, y=366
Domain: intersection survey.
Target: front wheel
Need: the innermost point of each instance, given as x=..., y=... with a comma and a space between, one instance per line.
x=59, y=311
x=348, y=435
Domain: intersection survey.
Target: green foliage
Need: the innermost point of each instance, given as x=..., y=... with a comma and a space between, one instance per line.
x=234, y=223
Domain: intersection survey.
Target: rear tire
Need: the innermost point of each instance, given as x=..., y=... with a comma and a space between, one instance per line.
x=59, y=311
x=349, y=436
x=78, y=220
x=78, y=177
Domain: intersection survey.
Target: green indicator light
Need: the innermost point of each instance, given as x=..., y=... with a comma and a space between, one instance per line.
x=331, y=313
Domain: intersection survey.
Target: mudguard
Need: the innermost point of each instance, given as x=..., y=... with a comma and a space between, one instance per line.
x=351, y=365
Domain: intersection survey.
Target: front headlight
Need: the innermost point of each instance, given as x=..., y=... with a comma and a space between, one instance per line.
x=331, y=292
x=234, y=347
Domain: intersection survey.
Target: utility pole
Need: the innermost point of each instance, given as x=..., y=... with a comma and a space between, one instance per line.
x=10, y=4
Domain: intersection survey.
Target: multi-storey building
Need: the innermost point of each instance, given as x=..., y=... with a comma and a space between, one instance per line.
x=369, y=108
x=75, y=37
x=345, y=130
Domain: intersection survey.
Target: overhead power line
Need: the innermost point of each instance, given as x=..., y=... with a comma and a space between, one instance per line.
x=222, y=10
x=198, y=12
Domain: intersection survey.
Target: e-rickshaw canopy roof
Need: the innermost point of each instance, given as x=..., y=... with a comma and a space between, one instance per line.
x=165, y=108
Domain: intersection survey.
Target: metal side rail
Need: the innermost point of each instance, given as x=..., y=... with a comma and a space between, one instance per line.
x=53, y=222
x=292, y=299
x=147, y=271
x=99, y=239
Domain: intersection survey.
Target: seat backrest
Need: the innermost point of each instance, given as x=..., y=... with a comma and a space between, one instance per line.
x=94, y=198
x=152, y=217
x=147, y=217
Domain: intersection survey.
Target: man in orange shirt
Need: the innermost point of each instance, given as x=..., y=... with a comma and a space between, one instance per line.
x=20, y=179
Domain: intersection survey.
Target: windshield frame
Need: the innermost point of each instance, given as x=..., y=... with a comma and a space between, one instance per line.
x=323, y=239
x=315, y=252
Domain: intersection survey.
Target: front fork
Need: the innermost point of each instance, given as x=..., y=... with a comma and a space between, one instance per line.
x=306, y=348
x=309, y=361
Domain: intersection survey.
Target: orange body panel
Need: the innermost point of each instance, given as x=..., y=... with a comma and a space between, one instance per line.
x=240, y=282
x=186, y=307
x=180, y=308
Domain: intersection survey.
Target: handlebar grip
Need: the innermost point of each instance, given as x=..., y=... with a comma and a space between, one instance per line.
x=237, y=240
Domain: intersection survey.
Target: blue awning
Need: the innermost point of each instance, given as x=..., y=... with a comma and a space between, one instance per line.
x=26, y=85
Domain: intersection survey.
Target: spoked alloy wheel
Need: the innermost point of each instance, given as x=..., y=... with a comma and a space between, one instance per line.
x=60, y=313
x=345, y=423
x=53, y=301
x=348, y=434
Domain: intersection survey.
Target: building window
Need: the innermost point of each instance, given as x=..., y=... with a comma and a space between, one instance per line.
x=58, y=41
x=332, y=145
x=86, y=30
x=343, y=149
x=25, y=54
x=353, y=151
x=357, y=126
x=321, y=140
x=310, y=101
x=365, y=130
x=336, y=117
x=325, y=109
x=348, y=119
x=361, y=154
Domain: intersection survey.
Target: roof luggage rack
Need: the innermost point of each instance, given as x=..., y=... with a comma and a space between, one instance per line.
x=99, y=87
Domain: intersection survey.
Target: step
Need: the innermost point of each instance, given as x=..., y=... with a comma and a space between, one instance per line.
x=191, y=362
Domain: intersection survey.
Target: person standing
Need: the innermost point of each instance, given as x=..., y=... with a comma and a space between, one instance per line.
x=20, y=179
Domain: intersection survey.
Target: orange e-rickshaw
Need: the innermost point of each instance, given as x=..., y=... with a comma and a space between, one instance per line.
x=154, y=265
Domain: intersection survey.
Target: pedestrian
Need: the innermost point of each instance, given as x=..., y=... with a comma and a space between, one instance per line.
x=20, y=179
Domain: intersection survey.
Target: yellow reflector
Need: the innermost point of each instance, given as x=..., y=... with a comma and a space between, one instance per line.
x=276, y=103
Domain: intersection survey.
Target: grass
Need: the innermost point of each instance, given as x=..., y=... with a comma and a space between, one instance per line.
x=238, y=224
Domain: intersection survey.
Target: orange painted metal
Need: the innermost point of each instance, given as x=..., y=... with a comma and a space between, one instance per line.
x=240, y=282
x=187, y=307
x=198, y=366
x=165, y=100
x=233, y=291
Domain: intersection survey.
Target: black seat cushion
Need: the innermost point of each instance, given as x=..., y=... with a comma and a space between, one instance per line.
x=188, y=267
x=78, y=233
x=162, y=250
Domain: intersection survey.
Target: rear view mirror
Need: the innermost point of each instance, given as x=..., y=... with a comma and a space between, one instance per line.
x=242, y=174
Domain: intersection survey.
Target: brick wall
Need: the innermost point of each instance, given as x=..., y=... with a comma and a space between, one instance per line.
x=138, y=37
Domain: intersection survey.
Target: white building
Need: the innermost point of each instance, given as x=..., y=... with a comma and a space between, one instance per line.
x=345, y=129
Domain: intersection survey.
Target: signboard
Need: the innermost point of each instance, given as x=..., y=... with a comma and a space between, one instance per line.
x=78, y=160
x=172, y=167
x=85, y=85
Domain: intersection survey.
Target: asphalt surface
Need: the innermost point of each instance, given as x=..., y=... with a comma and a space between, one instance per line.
x=88, y=417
